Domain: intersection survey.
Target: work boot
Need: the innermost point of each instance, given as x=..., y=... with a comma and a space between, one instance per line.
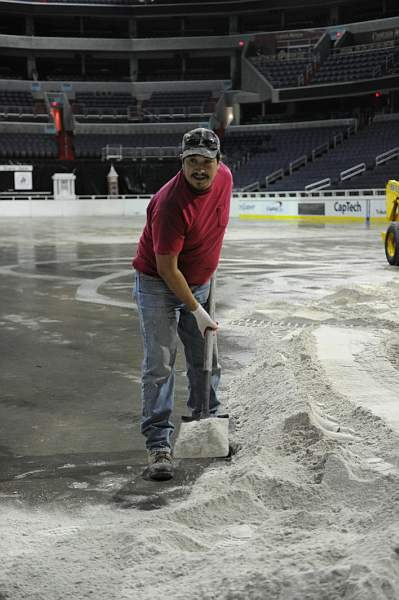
x=160, y=465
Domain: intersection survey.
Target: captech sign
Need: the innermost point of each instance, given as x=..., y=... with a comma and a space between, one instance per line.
x=347, y=207
x=330, y=206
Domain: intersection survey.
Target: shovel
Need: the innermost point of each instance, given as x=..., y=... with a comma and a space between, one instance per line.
x=208, y=435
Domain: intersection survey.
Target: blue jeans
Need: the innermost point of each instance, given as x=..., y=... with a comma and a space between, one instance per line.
x=163, y=317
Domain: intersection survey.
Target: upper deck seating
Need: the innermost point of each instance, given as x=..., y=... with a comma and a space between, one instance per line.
x=362, y=147
x=91, y=145
x=28, y=145
x=104, y=106
x=179, y=104
x=20, y=106
x=282, y=73
x=340, y=67
x=273, y=150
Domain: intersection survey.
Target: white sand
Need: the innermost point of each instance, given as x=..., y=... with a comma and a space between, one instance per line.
x=308, y=509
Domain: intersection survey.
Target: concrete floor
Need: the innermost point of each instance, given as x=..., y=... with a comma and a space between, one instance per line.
x=71, y=351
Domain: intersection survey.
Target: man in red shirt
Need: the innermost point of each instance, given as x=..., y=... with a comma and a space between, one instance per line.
x=178, y=252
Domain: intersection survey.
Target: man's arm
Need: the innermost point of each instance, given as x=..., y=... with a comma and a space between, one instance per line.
x=168, y=270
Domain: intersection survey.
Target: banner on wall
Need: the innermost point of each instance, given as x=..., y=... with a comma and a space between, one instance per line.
x=357, y=208
x=271, y=208
x=378, y=209
x=346, y=208
x=22, y=180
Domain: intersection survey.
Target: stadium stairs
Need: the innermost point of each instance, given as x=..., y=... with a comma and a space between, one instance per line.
x=351, y=164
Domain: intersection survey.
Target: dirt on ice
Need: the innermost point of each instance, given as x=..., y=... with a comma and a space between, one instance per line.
x=307, y=509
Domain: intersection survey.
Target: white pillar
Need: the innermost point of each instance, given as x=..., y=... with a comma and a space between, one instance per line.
x=112, y=179
x=64, y=186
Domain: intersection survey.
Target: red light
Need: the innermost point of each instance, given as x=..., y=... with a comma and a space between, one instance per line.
x=241, y=43
x=338, y=34
x=378, y=94
x=56, y=112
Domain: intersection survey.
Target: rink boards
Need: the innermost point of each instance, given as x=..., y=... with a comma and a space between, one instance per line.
x=327, y=206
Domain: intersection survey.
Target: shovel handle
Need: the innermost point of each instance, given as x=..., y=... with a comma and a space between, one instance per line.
x=210, y=341
x=208, y=349
x=210, y=333
x=211, y=297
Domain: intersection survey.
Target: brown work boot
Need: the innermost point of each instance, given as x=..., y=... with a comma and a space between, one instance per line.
x=160, y=465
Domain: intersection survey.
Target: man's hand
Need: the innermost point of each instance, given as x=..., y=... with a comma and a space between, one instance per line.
x=204, y=321
x=169, y=271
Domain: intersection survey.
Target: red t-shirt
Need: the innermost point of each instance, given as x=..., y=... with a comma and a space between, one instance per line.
x=186, y=224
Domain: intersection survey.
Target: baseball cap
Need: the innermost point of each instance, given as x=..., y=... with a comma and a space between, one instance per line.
x=200, y=141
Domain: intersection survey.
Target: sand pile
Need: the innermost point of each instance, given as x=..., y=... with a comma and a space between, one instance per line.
x=307, y=509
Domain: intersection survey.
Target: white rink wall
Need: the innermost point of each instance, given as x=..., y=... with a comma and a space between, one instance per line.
x=353, y=205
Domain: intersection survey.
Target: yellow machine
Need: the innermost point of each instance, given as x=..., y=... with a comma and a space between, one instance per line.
x=392, y=234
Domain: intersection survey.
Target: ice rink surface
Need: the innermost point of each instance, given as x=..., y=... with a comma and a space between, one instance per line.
x=309, y=343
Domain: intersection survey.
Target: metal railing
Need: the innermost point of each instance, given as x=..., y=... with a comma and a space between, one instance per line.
x=279, y=174
x=352, y=171
x=377, y=193
x=318, y=185
x=26, y=196
x=360, y=48
x=386, y=156
x=297, y=163
x=34, y=196
x=119, y=152
x=251, y=187
x=319, y=150
x=234, y=166
x=337, y=139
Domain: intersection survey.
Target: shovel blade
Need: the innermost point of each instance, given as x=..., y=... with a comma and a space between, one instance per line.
x=205, y=438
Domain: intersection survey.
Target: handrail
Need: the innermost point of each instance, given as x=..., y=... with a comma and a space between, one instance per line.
x=251, y=187
x=264, y=59
x=125, y=152
x=371, y=47
x=239, y=163
x=310, y=195
x=318, y=185
x=338, y=137
x=111, y=151
x=279, y=174
x=385, y=156
x=302, y=160
x=350, y=130
x=352, y=171
x=320, y=150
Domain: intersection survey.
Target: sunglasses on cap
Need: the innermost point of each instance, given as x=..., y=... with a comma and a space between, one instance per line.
x=201, y=137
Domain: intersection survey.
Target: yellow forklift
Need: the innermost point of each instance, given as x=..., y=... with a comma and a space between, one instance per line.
x=391, y=237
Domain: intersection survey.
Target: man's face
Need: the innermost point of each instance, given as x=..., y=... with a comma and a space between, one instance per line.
x=200, y=171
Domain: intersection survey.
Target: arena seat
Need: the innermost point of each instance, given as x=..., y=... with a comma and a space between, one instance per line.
x=181, y=104
x=375, y=178
x=340, y=65
x=282, y=73
x=360, y=148
x=274, y=150
x=352, y=66
x=18, y=105
x=91, y=145
x=104, y=106
x=28, y=145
